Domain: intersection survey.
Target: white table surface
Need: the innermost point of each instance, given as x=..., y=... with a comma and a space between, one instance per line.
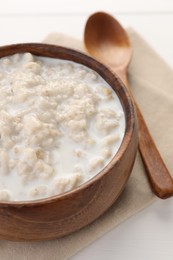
x=149, y=234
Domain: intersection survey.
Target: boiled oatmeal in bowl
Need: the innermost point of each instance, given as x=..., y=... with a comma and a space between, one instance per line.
x=68, y=140
x=60, y=125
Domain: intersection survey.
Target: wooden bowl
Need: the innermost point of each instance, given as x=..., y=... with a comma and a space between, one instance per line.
x=60, y=215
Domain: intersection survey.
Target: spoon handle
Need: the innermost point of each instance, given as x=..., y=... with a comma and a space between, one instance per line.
x=158, y=174
x=160, y=179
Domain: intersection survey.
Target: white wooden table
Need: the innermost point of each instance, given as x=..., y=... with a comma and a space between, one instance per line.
x=149, y=234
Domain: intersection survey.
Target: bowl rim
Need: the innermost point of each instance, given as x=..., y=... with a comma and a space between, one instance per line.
x=54, y=51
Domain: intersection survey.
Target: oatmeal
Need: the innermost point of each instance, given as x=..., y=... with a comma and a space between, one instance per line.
x=60, y=125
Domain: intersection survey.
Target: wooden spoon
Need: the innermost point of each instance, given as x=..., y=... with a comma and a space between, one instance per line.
x=107, y=41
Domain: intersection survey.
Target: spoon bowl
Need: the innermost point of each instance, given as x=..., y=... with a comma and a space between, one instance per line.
x=100, y=31
x=107, y=41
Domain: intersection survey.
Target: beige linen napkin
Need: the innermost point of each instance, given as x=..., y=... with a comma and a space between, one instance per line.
x=151, y=80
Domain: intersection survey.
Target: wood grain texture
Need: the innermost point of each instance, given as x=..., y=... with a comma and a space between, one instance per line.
x=106, y=40
x=158, y=174
x=63, y=214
